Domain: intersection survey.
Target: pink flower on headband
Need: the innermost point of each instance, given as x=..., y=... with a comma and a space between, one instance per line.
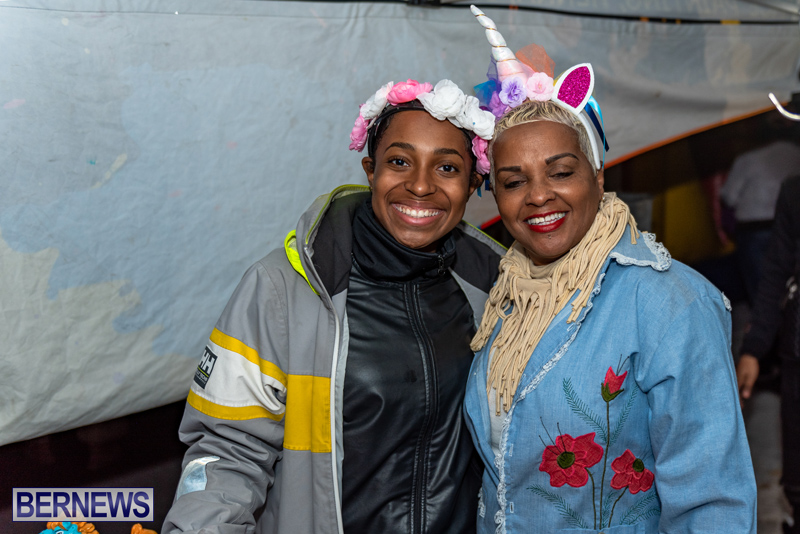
x=539, y=87
x=358, y=137
x=479, y=147
x=407, y=91
x=513, y=92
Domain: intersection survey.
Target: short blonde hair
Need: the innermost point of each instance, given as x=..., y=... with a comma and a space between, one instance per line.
x=533, y=111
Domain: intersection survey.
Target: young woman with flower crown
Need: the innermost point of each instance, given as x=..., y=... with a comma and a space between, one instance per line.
x=602, y=397
x=329, y=397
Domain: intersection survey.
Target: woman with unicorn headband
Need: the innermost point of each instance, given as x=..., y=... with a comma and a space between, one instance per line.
x=330, y=395
x=603, y=396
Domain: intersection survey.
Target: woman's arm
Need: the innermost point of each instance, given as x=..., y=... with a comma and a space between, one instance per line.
x=233, y=421
x=703, y=471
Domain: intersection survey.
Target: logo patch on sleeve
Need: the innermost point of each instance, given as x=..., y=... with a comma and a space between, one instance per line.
x=203, y=372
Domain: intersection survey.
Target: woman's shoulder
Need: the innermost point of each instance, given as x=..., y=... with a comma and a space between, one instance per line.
x=279, y=269
x=684, y=285
x=661, y=282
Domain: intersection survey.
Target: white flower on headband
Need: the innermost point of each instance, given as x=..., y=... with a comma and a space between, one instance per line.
x=473, y=118
x=445, y=101
x=375, y=104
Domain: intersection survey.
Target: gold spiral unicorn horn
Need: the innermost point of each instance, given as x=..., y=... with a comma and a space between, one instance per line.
x=507, y=63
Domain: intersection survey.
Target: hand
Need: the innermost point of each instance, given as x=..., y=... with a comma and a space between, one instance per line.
x=746, y=374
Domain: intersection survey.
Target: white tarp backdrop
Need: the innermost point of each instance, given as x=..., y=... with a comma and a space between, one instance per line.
x=150, y=151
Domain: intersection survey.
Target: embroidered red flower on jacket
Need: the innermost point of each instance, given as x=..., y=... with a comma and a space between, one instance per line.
x=566, y=461
x=631, y=473
x=612, y=384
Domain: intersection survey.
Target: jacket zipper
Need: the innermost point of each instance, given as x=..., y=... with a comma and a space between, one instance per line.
x=432, y=408
x=337, y=504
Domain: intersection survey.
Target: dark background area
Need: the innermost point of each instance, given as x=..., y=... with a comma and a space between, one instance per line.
x=139, y=450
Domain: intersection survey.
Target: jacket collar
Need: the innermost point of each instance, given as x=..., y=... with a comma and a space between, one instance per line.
x=380, y=257
x=323, y=244
x=647, y=252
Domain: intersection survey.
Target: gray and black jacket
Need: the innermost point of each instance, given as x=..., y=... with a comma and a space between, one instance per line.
x=270, y=383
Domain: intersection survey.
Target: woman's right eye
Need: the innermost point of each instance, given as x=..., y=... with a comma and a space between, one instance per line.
x=400, y=162
x=512, y=183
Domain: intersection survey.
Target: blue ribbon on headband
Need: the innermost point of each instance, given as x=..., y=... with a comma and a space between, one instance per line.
x=593, y=111
x=486, y=186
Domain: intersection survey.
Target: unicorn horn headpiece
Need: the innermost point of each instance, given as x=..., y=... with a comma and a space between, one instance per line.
x=520, y=81
x=507, y=63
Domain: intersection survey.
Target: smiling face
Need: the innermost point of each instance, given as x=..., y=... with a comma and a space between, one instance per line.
x=546, y=190
x=420, y=179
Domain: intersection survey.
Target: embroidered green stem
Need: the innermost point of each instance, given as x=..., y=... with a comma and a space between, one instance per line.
x=594, y=506
x=605, y=458
x=615, y=505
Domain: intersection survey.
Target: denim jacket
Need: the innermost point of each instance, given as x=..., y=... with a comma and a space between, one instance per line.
x=626, y=420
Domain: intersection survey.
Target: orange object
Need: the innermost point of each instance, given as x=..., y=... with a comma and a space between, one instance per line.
x=83, y=527
x=88, y=528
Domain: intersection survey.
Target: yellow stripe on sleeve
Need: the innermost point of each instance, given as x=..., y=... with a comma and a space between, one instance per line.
x=250, y=354
x=308, y=421
x=231, y=413
x=308, y=415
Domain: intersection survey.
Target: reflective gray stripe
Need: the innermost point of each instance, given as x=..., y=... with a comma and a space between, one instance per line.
x=194, y=476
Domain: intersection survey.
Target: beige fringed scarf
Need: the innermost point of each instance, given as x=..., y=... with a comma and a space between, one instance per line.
x=527, y=297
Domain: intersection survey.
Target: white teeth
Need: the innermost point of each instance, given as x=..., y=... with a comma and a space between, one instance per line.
x=546, y=219
x=415, y=213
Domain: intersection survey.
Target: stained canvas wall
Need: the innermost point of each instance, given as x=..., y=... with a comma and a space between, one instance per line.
x=150, y=151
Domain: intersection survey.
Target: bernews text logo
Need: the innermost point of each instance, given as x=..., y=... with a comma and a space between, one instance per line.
x=83, y=504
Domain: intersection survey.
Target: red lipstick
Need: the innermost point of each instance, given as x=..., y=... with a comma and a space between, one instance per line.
x=546, y=228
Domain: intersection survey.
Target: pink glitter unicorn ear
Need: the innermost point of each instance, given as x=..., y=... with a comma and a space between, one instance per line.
x=574, y=88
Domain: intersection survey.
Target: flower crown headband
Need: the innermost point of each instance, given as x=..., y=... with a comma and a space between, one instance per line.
x=444, y=101
x=515, y=78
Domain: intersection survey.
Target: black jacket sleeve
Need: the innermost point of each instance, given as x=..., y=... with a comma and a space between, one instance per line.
x=779, y=263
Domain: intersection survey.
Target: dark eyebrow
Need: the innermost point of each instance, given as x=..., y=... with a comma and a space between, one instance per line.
x=551, y=159
x=514, y=168
x=398, y=144
x=443, y=151
x=438, y=151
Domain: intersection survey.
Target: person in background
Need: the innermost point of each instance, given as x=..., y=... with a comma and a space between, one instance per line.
x=603, y=395
x=751, y=190
x=776, y=315
x=329, y=398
